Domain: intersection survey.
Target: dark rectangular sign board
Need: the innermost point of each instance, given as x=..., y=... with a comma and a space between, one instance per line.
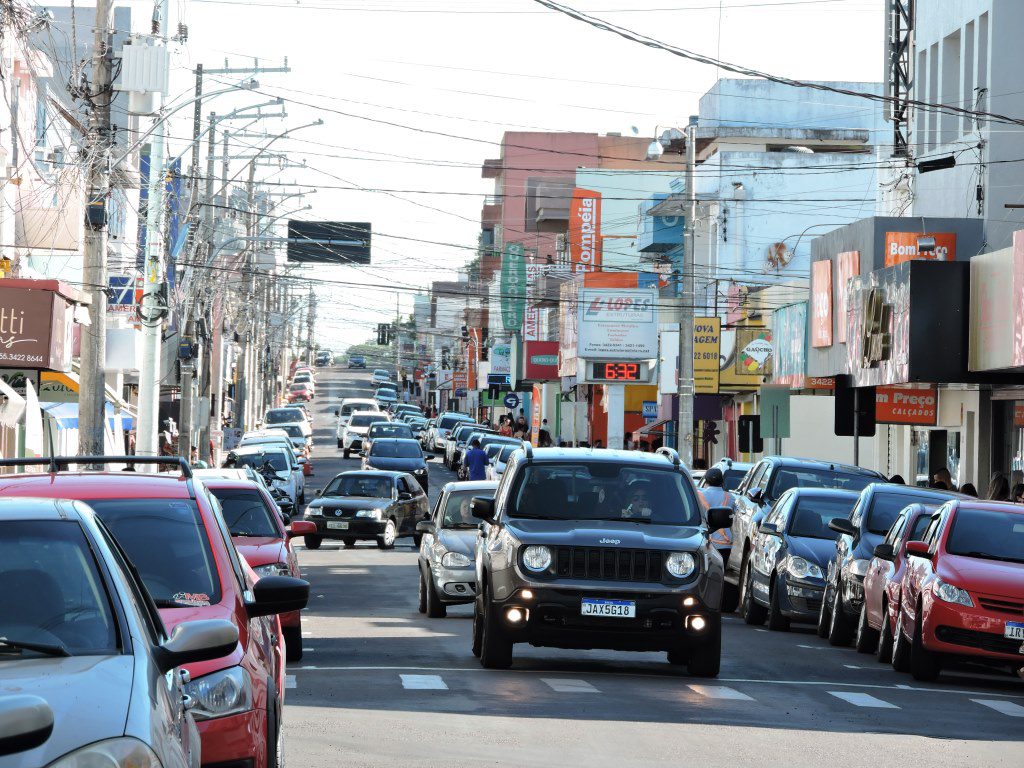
x=328, y=242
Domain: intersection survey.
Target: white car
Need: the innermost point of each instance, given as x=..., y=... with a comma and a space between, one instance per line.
x=349, y=406
x=380, y=376
x=358, y=426
x=287, y=469
x=443, y=428
x=290, y=414
x=273, y=436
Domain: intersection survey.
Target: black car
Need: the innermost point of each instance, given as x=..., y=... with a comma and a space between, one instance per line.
x=364, y=506
x=878, y=507
x=357, y=361
x=385, y=429
x=398, y=455
x=762, y=487
x=598, y=549
x=791, y=551
x=457, y=442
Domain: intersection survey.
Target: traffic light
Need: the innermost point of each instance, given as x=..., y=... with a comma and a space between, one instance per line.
x=851, y=403
x=382, y=334
x=750, y=434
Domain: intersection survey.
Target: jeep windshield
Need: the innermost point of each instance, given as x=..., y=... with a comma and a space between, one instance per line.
x=603, y=490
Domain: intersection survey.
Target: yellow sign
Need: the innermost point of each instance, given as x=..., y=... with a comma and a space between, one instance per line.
x=57, y=387
x=707, y=345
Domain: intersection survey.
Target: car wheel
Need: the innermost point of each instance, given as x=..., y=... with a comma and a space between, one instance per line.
x=302, y=496
x=706, y=658
x=730, y=597
x=495, y=646
x=435, y=608
x=867, y=638
x=387, y=539
x=341, y=444
x=313, y=542
x=840, y=631
x=824, y=615
x=275, y=746
x=925, y=665
x=417, y=538
x=900, y=646
x=753, y=612
x=679, y=656
x=777, y=622
x=349, y=542
x=345, y=453
x=478, y=625
x=883, y=651
x=292, y=643
x=422, y=604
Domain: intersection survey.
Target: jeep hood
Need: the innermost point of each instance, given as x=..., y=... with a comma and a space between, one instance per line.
x=606, y=533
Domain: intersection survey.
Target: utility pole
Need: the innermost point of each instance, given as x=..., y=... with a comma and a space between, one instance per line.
x=91, y=398
x=398, y=341
x=688, y=301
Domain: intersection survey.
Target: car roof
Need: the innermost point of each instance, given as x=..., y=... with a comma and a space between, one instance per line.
x=227, y=482
x=261, y=447
x=600, y=454
x=287, y=408
x=727, y=464
x=268, y=432
x=838, y=493
x=968, y=502
x=895, y=489
x=41, y=508
x=97, y=485
x=792, y=461
x=398, y=424
x=406, y=440
x=357, y=400
x=470, y=485
x=392, y=473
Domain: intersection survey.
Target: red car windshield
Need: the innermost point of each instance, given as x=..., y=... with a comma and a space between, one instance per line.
x=987, y=534
x=245, y=512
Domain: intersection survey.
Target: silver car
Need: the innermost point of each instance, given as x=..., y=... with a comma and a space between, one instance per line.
x=447, y=567
x=88, y=675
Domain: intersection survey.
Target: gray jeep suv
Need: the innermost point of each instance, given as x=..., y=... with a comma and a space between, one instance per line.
x=598, y=549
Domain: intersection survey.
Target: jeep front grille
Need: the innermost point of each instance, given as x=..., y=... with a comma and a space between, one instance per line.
x=607, y=564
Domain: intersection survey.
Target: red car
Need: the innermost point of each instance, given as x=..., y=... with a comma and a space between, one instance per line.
x=884, y=579
x=963, y=590
x=259, y=534
x=168, y=527
x=299, y=393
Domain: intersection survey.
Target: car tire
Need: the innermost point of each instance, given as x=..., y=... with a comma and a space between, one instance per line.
x=302, y=496
x=706, y=658
x=824, y=615
x=275, y=745
x=840, y=629
x=883, y=651
x=421, y=605
x=866, y=640
x=348, y=543
x=495, y=646
x=345, y=453
x=925, y=665
x=292, y=643
x=777, y=622
x=478, y=625
x=730, y=597
x=435, y=608
x=341, y=444
x=313, y=542
x=387, y=539
x=900, y=646
x=679, y=656
x=753, y=612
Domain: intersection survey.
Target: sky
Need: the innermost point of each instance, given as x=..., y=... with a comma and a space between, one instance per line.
x=415, y=95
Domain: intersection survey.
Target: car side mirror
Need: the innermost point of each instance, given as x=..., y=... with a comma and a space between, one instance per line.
x=303, y=460
x=842, y=525
x=918, y=549
x=301, y=528
x=482, y=508
x=718, y=518
x=195, y=641
x=277, y=594
x=320, y=492
x=756, y=495
x=336, y=412
x=404, y=496
x=428, y=458
x=771, y=529
x=884, y=552
x=26, y=722
x=426, y=526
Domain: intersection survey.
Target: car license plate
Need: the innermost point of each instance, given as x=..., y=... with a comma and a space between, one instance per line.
x=619, y=609
x=337, y=526
x=1014, y=630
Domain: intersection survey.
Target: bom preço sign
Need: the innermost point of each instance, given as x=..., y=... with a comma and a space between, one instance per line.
x=907, y=405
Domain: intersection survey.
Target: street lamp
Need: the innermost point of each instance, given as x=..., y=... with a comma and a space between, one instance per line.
x=658, y=144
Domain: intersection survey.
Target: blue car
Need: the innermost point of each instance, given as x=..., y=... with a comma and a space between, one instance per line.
x=790, y=554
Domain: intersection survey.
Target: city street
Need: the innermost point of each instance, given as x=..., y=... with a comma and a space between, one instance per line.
x=382, y=685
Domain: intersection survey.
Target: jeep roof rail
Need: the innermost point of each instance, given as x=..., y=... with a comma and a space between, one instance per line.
x=670, y=454
x=60, y=463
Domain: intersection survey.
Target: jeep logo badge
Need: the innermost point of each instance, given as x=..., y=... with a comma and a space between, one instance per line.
x=610, y=541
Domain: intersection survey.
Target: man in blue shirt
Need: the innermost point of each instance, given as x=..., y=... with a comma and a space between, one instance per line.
x=476, y=461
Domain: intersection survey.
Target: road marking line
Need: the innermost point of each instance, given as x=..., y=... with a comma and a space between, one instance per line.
x=569, y=686
x=862, y=700
x=760, y=630
x=814, y=647
x=853, y=666
x=719, y=692
x=423, y=683
x=289, y=681
x=905, y=687
x=1003, y=707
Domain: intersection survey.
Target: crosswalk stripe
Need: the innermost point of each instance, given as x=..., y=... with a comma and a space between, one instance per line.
x=290, y=682
x=1003, y=707
x=719, y=692
x=862, y=700
x=561, y=685
x=423, y=682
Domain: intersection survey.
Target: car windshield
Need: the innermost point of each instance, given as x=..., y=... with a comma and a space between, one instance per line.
x=886, y=507
x=276, y=459
x=390, y=430
x=297, y=387
x=52, y=591
x=919, y=527
x=447, y=422
x=284, y=415
x=364, y=420
x=245, y=512
x=810, y=517
x=398, y=449
x=350, y=408
x=732, y=478
x=380, y=372
x=811, y=477
x=181, y=570
x=604, y=490
x=492, y=451
x=292, y=430
x=367, y=486
x=457, y=512
x=987, y=534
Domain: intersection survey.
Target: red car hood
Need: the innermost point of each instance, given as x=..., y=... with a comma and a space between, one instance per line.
x=172, y=617
x=987, y=577
x=261, y=550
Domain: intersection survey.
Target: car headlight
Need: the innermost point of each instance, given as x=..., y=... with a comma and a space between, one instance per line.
x=219, y=694
x=456, y=560
x=373, y=514
x=273, y=569
x=680, y=564
x=950, y=594
x=858, y=568
x=802, y=569
x=420, y=471
x=123, y=752
x=279, y=483
x=537, y=558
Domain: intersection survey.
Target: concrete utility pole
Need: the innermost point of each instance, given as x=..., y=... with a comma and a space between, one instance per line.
x=92, y=387
x=688, y=300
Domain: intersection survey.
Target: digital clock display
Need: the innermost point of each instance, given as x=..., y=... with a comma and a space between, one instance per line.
x=617, y=371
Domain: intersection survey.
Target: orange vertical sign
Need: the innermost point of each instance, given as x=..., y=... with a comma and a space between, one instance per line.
x=585, y=231
x=847, y=266
x=821, y=303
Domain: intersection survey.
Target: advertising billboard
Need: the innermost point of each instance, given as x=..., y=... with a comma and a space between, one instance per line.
x=903, y=246
x=540, y=360
x=585, y=231
x=513, y=287
x=847, y=266
x=531, y=315
x=821, y=303
x=618, y=324
x=789, y=330
x=907, y=405
x=501, y=359
x=707, y=351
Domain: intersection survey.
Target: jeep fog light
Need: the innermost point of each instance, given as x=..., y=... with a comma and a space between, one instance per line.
x=526, y=594
x=515, y=615
x=689, y=602
x=696, y=623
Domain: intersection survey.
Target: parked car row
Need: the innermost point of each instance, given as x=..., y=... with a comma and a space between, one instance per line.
x=302, y=388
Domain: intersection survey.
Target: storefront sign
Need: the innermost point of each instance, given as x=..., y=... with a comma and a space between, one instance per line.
x=501, y=358
x=650, y=410
x=540, y=360
x=585, y=231
x=531, y=316
x=1018, y=414
x=57, y=388
x=707, y=351
x=821, y=382
x=535, y=408
x=618, y=324
x=568, y=320
x=460, y=380
x=900, y=405
x=903, y=246
x=1018, y=298
x=755, y=351
x=789, y=330
x=821, y=303
x=847, y=266
x=34, y=329
x=17, y=378
x=513, y=287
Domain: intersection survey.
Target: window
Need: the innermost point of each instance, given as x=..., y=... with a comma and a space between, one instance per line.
x=396, y=449
x=732, y=478
x=276, y=458
x=285, y=415
x=458, y=510
x=885, y=507
x=246, y=513
x=369, y=486
x=987, y=534
x=813, y=477
x=389, y=429
x=896, y=530
x=919, y=527
x=757, y=476
x=364, y=419
x=812, y=515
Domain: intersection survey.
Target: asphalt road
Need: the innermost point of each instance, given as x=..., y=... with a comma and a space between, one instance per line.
x=382, y=685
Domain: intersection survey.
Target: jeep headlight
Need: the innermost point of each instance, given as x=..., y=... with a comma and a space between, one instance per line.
x=680, y=564
x=273, y=569
x=123, y=752
x=802, y=569
x=947, y=593
x=220, y=694
x=373, y=514
x=537, y=558
x=456, y=560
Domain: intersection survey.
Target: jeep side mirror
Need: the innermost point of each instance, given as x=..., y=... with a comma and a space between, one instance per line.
x=843, y=526
x=718, y=518
x=482, y=508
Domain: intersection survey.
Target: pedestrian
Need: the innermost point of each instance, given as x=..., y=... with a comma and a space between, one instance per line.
x=714, y=489
x=476, y=461
x=943, y=478
x=505, y=426
x=521, y=425
x=968, y=489
x=897, y=480
x=196, y=461
x=1017, y=494
x=543, y=435
x=999, y=488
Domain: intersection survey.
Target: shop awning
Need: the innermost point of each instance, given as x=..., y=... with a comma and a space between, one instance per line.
x=653, y=427
x=65, y=415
